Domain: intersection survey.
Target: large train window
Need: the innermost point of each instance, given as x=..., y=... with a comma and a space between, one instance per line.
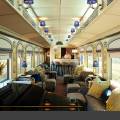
x=41, y=56
x=20, y=51
x=81, y=56
x=114, y=51
x=29, y=54
x=90, y=58
x=99, y=58
x=37, y=56
x=5, y=61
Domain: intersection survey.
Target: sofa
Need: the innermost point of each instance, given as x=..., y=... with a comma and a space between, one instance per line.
x=100, y=104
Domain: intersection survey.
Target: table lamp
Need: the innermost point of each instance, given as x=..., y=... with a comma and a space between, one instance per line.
x=24, y=65
x=95, y=65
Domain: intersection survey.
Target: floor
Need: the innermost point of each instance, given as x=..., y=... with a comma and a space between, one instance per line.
x=60, y=86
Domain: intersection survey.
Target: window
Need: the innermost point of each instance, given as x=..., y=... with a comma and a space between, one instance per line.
x=90, y=61
x=4, y=75
x=99, y=58
x=114, y=52
x=115, y=68
x=5, y=58
x=29, y=60
x=81, y=59
x=19, y=59
x=89, y=58
x=36, y=58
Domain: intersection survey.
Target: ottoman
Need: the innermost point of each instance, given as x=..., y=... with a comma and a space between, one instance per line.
x=78, y=99
x=50, y=85
x=73, y=88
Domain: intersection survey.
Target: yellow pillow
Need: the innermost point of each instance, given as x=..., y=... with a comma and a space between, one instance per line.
x=78, y=70
x=113, y=102
x=97, y=88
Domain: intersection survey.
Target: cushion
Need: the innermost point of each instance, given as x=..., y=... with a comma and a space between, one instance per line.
x=94, y=104
x=78, y=70
x=113, y=102
x=97, y=88
x=105, y=95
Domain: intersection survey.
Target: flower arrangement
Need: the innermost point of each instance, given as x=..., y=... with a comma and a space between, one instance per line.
x=2, y=66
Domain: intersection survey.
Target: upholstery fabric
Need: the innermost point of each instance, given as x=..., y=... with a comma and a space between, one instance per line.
x=113, y=102
x=94, y=104
x=97, y=88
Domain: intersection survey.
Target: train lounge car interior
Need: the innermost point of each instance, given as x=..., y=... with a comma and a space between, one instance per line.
x=59, y=55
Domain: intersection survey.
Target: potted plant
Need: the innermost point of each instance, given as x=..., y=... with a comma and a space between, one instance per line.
x=2, y=66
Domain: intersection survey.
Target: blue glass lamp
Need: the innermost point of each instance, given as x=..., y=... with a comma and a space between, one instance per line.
x=24, y=65
x=76, y=24
x=72, y=30
x=42, y=23
x=28, y=1
x=95, y=63
x=91, y=2
x=46, y=30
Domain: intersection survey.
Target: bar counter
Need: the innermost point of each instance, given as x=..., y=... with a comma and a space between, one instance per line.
x=63, y=66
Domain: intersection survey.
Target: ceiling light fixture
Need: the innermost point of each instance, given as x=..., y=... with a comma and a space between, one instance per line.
x=76, y=24
x=69, y=36
x=91, y=2
x=28, y=2
x=42, y=23
x=49, y=36
x=59, y=43
x=72, y=30
x=46, y=30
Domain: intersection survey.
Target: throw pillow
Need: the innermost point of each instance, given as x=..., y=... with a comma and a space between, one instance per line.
x=105, y=95
x=113, y=102
x=97, y=88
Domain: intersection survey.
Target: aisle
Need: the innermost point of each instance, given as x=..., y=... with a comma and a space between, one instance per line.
x=60, y=87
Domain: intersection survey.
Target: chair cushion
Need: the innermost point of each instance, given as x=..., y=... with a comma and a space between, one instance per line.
x=94, y=104
x=113, y=102
x=97, y=88
x=78, y=96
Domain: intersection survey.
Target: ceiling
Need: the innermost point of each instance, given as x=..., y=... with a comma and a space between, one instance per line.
x=60, y=15
x=15, y=25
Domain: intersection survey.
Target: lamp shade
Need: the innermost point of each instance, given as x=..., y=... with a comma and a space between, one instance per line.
x=91, y=1
x=69, y=36
x=42, y=23
x=72, y=30
x=28, y=1
x=49, y=36
x=95, y=63
x=59, y=43
x=76, y=24
x=24, y=64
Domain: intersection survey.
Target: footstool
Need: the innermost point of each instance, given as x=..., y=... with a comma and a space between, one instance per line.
x=68, y=78
x=73, y=88
x=50, y=85
x=78, y=99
